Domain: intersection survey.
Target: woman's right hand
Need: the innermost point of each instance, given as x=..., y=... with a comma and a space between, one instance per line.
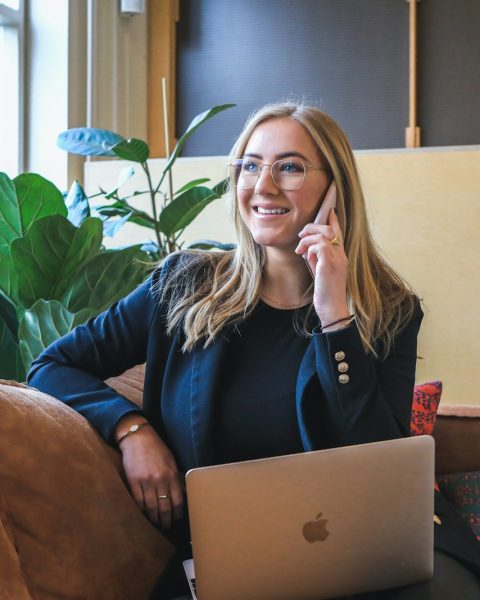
x=151, y=472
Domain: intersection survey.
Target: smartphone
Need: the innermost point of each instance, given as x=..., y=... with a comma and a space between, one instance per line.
x=329, y=202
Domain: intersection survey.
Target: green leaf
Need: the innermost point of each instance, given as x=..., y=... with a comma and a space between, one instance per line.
x=48, y=258
x=10, y=222
x=222, y=187
x=89, y=141
x=112, y=227
x=77, y=204
x=37, y=198
x=140, y=220
x=11, y=365
x=8, y=277
x=122, y=208
x=8, y=313
x=42, y=324
x=182, y=210
x=123, y=177
x=23, y=201
x=194, y=125
x=133, y=149
x=190, y=185
x=107, y=278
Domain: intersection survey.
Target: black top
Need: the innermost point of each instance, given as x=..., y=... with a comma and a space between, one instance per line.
x=255, y=410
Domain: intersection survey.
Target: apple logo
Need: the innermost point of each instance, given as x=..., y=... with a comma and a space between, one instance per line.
x=316, y=531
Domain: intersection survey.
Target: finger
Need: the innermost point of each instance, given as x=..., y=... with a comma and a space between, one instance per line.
x=177, y=499
x=164, y=507
x=312, y=228
x=151, y=504
x=137, y=493
x=313, y=239
x=335, y=224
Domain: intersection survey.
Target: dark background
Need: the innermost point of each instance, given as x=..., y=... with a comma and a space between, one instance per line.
x=348, y=57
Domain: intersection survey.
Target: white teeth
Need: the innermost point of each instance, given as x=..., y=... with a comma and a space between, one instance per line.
x=271, y=211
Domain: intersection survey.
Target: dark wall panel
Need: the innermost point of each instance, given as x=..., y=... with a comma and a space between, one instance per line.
x=450, y=72
x=349, y=57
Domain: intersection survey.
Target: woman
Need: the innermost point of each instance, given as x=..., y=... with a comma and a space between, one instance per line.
x=332, y=358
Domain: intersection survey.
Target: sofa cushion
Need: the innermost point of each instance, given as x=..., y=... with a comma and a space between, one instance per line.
x=457, y=439
x=69, y=526
x=463, y=491
x=426, y=398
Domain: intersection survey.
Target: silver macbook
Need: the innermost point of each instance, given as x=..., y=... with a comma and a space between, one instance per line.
x=313, y=525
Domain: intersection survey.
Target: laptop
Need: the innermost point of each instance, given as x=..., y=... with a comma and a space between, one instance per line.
x=314, y=525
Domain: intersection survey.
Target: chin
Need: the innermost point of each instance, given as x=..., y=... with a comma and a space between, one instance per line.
x=273, y=242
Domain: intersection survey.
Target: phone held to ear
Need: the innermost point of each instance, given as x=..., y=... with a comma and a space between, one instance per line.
x=329, y=202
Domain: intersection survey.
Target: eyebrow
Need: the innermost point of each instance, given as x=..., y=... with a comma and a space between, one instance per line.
x=279, y=156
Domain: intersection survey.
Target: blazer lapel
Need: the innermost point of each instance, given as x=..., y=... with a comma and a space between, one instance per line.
x=205, y=375
x=308, y=399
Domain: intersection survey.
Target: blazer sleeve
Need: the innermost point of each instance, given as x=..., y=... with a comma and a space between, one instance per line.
x=73, y=368
x=367, y=399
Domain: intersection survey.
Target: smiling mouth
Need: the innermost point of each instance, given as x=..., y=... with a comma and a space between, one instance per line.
x=270, y=211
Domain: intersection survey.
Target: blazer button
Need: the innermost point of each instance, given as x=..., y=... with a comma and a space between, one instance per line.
x=339, y=355
x=437, y=519
x=343, y=378
x=343, y=367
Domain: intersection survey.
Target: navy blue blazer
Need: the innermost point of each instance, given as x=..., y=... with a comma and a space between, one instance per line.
x=180, y=388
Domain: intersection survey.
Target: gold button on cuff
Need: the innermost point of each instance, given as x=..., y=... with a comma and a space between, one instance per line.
x=339, y=355
x=343, y=367
x=343, y=378
x=437, y=519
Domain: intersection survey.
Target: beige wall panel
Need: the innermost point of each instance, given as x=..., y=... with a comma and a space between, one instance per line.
x=425, y=209
x=424, y=206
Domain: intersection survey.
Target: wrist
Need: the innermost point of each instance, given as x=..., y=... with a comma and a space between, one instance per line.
x=128, y=426
x=339, y=323
x=329, y=312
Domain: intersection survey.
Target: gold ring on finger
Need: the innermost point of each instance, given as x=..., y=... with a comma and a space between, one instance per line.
x=335, y=241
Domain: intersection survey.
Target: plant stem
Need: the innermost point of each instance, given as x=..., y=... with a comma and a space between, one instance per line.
x=154, y=208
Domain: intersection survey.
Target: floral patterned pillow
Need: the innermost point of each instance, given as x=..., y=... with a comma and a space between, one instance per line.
x=426, y=398
x=463, y=491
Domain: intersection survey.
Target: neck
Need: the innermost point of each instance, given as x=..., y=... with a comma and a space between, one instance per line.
x=286, y=280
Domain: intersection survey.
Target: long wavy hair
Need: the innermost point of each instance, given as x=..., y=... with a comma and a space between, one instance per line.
x=206, y=290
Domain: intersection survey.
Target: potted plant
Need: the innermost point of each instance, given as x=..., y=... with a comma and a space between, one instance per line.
x=55, y=271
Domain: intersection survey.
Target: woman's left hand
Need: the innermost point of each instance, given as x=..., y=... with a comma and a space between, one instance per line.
x=329, y=264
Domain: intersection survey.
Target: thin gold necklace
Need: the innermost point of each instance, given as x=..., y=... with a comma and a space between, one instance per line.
x=297, y=305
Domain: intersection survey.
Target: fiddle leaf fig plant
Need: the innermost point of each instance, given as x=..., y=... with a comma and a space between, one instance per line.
x=55, y=271
x=169, y=212
x=54, y=274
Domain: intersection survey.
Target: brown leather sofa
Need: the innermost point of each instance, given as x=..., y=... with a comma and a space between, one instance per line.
x=68, y=525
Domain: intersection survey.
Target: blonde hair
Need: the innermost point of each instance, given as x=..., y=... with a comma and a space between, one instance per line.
x=205, y=291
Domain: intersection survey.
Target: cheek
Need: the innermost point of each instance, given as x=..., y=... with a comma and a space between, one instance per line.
x=243, y=198
x=311, y=204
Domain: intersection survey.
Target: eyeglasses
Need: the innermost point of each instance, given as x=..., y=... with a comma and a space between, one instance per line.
x=288, y=174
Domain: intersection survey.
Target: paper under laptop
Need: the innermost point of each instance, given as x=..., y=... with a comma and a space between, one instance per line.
x=313, y=525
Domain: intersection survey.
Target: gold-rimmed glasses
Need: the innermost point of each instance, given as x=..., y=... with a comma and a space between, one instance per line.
x=288, y=173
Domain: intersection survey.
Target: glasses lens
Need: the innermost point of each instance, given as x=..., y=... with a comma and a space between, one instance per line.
x=245, y=173
x=288, y=174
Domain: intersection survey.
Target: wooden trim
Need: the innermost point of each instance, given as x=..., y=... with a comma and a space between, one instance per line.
x=412, y=132
x=162, y=19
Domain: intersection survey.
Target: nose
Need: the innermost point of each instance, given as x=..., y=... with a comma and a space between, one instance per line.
x=265, y=184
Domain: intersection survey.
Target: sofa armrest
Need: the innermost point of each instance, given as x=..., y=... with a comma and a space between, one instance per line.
x=75, y=528
x=457, y=438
